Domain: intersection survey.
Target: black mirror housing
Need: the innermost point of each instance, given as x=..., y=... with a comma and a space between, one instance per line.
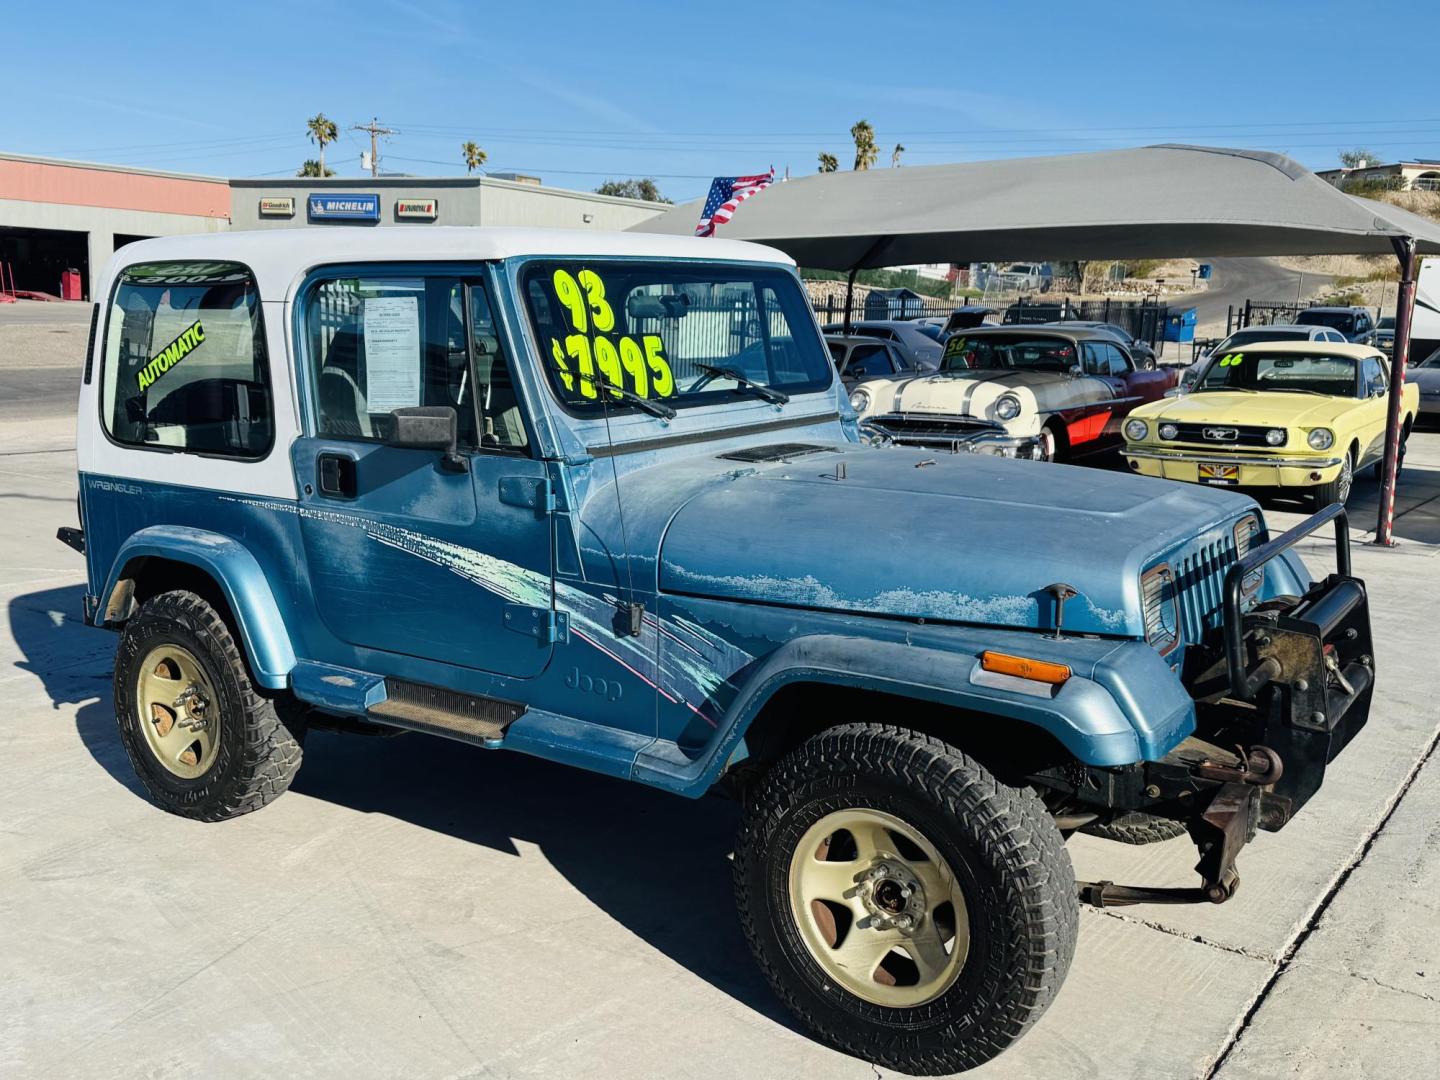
x=428, y=427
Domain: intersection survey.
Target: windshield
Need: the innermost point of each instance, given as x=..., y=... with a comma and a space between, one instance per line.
x=1021, y=352
x=658, y=330
x=1249, y=337
x=1313, y=372
x=1343, y=321
x=1387, y=322
x=930, y=330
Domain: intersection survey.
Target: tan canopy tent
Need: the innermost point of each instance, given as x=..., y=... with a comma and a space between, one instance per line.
x=1155, y=201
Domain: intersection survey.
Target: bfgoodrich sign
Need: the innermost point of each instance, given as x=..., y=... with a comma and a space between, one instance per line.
x=344, y=207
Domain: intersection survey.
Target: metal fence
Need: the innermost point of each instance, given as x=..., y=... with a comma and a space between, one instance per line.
x=1262, y=313
x=1143, y=319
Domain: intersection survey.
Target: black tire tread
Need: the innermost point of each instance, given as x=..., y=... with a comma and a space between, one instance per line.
x=1011, y=825
x=272, y=725
x=1135, y=828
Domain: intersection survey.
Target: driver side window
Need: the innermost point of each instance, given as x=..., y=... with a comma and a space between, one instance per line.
x=377, y=344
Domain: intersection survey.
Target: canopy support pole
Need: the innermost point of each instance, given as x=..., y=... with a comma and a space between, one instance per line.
x=1404, y=309
x=849, y=297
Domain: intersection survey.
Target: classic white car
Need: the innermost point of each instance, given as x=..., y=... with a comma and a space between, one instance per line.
x=1049, y=392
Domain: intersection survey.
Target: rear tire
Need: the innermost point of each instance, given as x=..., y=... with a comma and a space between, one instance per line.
x=946, y=829
x=205, y=742
x=1135, y=828
x=1400, y=465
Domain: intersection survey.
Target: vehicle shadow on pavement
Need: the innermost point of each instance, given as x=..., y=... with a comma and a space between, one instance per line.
x=74, y=663
x=656, y=863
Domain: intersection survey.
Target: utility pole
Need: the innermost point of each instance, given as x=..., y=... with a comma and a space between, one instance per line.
x=375, y=131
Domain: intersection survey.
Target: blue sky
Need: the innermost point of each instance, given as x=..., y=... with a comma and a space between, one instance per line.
x=577, y=92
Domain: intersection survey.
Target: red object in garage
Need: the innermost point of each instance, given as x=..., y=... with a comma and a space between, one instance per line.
x=70, y=285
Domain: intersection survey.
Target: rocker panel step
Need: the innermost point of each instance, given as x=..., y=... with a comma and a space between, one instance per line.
x=438, y=711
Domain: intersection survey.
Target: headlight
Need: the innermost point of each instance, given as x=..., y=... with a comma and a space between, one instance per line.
x=1136, y=430
x=1275, y=436
x=1169, y=431
x=1007, y=407
x=859, y=399
x=1321, y=439
x=1157, y=597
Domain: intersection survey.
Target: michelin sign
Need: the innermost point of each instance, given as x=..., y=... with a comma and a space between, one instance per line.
x=344, y=207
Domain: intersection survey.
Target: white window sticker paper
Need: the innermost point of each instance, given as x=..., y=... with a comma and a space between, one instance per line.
x=392, y=353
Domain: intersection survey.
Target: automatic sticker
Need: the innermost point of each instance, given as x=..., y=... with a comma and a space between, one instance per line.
x=191, y=338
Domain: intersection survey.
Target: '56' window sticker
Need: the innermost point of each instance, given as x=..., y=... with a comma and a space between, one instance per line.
x=632, y=362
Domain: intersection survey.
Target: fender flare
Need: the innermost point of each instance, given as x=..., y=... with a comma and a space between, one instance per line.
x=1089, y=716
x=263, y=635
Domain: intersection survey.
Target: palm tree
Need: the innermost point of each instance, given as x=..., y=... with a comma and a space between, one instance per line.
x=865, y=150
x=828, y=162
x=314, y=168
x=473, y=155
x=322, y=131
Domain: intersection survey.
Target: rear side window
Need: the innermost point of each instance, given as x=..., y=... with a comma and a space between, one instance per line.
x=185, y=367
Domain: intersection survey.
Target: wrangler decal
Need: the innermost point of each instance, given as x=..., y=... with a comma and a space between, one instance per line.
x=191, y=338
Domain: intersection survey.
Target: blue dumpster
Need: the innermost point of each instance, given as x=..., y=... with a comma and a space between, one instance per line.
x=1180, y=325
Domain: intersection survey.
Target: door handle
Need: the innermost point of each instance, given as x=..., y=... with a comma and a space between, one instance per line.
x=336, y=475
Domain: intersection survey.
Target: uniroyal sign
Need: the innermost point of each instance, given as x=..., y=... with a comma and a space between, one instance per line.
x=417, y=208
x=278, y=207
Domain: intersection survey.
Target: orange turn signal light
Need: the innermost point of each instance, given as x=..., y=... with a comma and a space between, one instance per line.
x=1022, y=667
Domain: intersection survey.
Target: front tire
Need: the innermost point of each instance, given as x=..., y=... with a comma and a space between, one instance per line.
x=1337, y=490
x=907, y=906
x=205, y=742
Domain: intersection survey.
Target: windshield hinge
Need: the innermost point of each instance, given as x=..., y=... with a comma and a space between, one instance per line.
x=532, y=491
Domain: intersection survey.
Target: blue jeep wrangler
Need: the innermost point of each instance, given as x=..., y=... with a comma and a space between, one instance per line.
x=601, y=499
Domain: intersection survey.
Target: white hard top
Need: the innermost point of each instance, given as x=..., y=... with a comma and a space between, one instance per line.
x=1311, y=348
x=280, y=256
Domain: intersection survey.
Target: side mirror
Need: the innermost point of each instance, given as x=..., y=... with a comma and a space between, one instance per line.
x=1076, y=370
x=1175, y=391
x=429, y=427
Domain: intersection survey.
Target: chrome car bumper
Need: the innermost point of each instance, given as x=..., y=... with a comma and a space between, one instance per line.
x=958, y=434
x=1253, y=460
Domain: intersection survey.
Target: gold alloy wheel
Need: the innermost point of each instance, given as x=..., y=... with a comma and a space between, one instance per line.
x=879, y=908
x=178, y=711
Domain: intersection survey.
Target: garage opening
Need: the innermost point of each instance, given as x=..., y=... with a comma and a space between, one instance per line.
x=37, y=257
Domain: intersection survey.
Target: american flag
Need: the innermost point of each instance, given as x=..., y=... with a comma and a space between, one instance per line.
x=726, y=193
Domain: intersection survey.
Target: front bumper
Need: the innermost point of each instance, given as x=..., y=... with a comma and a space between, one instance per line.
x=958, y=434
x=1251, y=470
x=1283, y=692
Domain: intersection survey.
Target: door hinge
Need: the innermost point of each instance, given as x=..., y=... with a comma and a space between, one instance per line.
x=547, y=625
x=535, y=492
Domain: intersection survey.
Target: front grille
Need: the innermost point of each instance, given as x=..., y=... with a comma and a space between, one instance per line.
x=1200, y=585
x=918, y=429
x=1222, y=435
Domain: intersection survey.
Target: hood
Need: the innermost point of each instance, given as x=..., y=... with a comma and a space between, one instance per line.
x=954, y=538
x=1259, y=410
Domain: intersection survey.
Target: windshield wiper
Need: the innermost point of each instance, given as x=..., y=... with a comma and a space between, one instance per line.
x=746, y=386
x=654, y=408
x=1218, y=389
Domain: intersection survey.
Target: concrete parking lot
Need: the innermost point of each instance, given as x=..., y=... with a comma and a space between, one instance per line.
x=419, y=908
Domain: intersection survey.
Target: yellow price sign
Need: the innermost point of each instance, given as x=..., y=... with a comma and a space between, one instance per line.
x=593, y=347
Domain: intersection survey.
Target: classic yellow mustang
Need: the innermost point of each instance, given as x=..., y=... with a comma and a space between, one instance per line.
x=1289, y=414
